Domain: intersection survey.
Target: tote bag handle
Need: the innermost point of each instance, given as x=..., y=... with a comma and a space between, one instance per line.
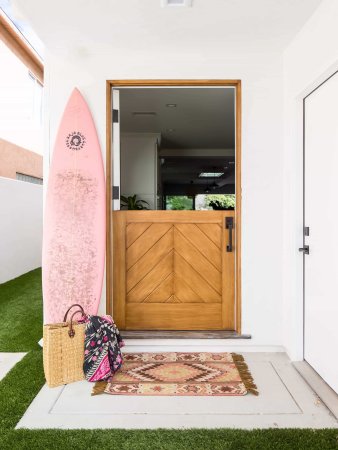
x=81, y=311
x=71, y=331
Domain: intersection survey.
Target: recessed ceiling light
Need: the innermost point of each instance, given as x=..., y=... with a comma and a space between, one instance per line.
x=210, y=174
x=171, y=105
x=176, y=3
x=144, y=113
x=170, y=130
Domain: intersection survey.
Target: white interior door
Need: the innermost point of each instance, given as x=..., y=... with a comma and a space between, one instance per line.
x=321, y=216
x=116, y=163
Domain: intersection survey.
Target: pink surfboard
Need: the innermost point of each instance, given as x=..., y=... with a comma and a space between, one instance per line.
x=74, y=223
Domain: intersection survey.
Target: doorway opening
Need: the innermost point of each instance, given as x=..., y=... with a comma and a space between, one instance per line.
x=173, y=234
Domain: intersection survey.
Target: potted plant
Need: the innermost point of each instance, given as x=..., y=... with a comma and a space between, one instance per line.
x=133, y=203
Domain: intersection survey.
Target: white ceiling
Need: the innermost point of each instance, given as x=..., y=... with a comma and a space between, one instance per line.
x=140, y=25
x=185, y=171
x=203, y=117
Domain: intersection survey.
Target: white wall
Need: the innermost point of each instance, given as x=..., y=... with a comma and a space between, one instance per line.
x=309, y=60
x=20, y=228
x=138, y=166
x=261, y=75
x=144, y=42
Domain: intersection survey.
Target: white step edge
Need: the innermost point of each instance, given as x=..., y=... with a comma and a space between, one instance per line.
x=320, y=387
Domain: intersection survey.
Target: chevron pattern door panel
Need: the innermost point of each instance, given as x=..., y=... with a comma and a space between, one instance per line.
x=172, y=271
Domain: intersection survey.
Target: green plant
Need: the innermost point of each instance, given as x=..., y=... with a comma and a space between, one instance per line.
x=221, y=201
x=133, y=203
x=179, y=202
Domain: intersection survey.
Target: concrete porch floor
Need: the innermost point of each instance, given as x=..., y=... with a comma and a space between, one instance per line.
x=8, y=361
x=285, y=400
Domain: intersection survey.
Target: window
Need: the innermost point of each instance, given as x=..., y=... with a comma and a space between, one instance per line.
x=21, y=90
x=20, y=103
x=179, y=202
x=28, y=178
x=200, y=202
x=215, y=201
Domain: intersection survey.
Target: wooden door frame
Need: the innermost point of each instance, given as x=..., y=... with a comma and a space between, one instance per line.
x=238, y=216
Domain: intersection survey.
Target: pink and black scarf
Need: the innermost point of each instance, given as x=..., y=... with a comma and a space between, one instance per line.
x=103, y=344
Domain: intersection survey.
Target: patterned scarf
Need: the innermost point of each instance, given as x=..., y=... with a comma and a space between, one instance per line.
x=103, y=344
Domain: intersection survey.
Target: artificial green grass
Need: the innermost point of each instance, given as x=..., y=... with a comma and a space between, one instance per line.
x=21, y=307
x=19, y=387
x=21, y=313
x=173, y=440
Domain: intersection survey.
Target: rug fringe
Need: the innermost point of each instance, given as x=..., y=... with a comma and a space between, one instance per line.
x=245, y=373
x=99, y=387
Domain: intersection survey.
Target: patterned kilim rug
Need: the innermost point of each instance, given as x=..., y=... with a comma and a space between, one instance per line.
x=194, y=374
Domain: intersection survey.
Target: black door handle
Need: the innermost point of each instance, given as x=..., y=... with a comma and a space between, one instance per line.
x=305, y=249
x=229, y=225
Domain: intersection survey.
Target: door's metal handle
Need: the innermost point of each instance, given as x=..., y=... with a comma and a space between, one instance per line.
x=305, y=249
x=229, y=225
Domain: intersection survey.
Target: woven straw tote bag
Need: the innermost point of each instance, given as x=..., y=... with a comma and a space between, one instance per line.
x=63, y=350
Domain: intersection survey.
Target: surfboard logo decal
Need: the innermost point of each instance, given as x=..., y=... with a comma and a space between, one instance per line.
x=75, y=140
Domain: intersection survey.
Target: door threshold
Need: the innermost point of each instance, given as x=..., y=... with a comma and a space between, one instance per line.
x=183, y=334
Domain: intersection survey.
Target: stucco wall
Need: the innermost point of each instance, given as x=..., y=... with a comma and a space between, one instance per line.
x=15, y=159
x=20, y=228
x=261, y=76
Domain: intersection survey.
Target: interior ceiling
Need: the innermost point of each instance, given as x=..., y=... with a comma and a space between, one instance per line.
x=202, y=118
x=216, y=26
x=186, y=170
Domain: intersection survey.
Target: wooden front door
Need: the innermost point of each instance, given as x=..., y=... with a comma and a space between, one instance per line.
x=172, y=270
